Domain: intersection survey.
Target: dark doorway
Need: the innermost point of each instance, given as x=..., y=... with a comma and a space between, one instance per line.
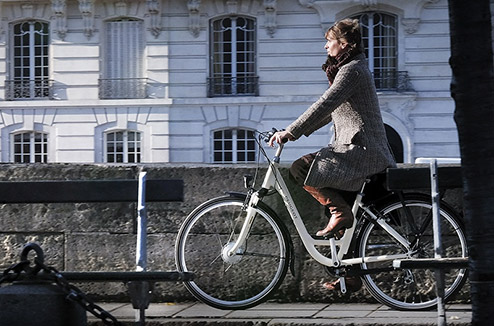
x=395, y=142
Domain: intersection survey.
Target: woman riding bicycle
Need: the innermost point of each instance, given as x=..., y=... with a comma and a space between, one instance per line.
x=335, y=173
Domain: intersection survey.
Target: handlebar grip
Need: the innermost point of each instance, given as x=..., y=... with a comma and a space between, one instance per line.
x=267, y=136
x=271, y=133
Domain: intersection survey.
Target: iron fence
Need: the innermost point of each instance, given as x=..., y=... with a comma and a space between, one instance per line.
x=233, y=86
x=392, y=80
x=23, y=89
x=122, y=88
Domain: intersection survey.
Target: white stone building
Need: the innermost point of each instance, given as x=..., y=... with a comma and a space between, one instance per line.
x=190, y=80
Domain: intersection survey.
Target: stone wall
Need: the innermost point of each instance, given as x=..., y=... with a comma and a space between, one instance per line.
x=102, y=236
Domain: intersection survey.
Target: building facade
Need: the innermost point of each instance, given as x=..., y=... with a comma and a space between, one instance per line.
x=95, y=81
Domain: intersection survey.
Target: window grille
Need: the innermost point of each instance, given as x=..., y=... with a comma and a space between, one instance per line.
x=123, y=75
x=234, y=146
x=30, y=58
x=123, y=147
x=379, y=34
x=30, y=147
x=233, y=57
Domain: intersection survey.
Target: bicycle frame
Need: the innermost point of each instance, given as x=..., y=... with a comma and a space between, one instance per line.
x=274, y=180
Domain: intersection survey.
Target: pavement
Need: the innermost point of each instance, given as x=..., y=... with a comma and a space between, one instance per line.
x=282, y=314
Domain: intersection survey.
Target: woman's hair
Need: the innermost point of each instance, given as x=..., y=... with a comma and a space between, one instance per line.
x=346, y=31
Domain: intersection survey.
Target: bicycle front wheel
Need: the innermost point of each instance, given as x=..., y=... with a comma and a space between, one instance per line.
x=244, y=279
x=412, y=289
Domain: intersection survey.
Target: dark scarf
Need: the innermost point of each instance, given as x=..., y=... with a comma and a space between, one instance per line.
x=332, y=65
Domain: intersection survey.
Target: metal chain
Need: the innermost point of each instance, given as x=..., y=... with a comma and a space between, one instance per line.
x=76, y=295
x=12, y=273
x=73, y=293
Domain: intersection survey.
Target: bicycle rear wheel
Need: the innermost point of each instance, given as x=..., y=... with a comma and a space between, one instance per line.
x=412, y=289
x=245, y=279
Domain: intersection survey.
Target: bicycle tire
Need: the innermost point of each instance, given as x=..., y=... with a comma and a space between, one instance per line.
x=247, y=278
x=412, y=289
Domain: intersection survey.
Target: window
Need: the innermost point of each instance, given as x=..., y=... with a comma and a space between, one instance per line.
x=233, y=57
x=379, y=33
x=123, y=72
x=234, y=146
x=123, y=147
x=29, y=69
x=30, y=147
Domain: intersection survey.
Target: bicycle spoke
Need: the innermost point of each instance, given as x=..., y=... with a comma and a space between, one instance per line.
x=253, y=254
x=244, y=278
x=214, y=260
x=411, y=289
x=226, y=269
x=234, y=220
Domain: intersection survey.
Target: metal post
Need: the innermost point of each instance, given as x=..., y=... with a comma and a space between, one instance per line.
x=141, y=250
x=438, y=249
x=140, y=290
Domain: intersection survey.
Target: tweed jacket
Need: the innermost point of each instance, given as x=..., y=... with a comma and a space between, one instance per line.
x=360, y=148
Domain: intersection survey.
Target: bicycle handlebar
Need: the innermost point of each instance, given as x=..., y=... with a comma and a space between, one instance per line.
x=266, y=136
x=269, y=134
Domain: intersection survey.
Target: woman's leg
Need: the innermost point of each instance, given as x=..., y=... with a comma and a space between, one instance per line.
x=339, y=211
x=300, y=168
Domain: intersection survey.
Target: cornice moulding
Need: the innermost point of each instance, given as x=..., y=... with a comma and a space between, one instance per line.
x=194, y=17
x=86, y=8
x=329, y=9
x=59, y=9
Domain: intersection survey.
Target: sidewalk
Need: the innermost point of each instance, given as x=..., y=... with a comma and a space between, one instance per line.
x=292, y=314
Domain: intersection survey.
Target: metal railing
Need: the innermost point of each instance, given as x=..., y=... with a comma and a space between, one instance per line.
x=233, y=86
x=135, y=88
x=392, y=80
x=123, y=88
x=28, y=89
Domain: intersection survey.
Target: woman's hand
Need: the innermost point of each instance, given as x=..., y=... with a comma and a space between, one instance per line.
x=280, y=137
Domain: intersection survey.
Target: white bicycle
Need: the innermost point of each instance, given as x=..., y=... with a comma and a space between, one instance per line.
x=240, y=250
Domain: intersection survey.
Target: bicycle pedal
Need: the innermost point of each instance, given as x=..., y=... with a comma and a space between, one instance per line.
x=338, y=235
x=328, y=236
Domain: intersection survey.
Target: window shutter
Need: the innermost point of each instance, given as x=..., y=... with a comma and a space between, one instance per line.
x=125, y=46
x=124, y=68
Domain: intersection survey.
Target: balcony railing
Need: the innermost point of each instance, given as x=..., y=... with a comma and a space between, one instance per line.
x=397, y=81
x=122, y=88
x=233, y=86
x=28, y=89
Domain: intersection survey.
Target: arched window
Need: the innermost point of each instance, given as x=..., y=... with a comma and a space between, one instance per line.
x=123, y=146
x=380, y=36
x=30, y=147
x=234, y=146
x=123, y=64
x=233, y=57
x=395, y=143
x=29, y=73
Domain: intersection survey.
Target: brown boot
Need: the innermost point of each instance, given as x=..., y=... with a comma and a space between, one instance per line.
x=338, y=222
x=339, y=212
